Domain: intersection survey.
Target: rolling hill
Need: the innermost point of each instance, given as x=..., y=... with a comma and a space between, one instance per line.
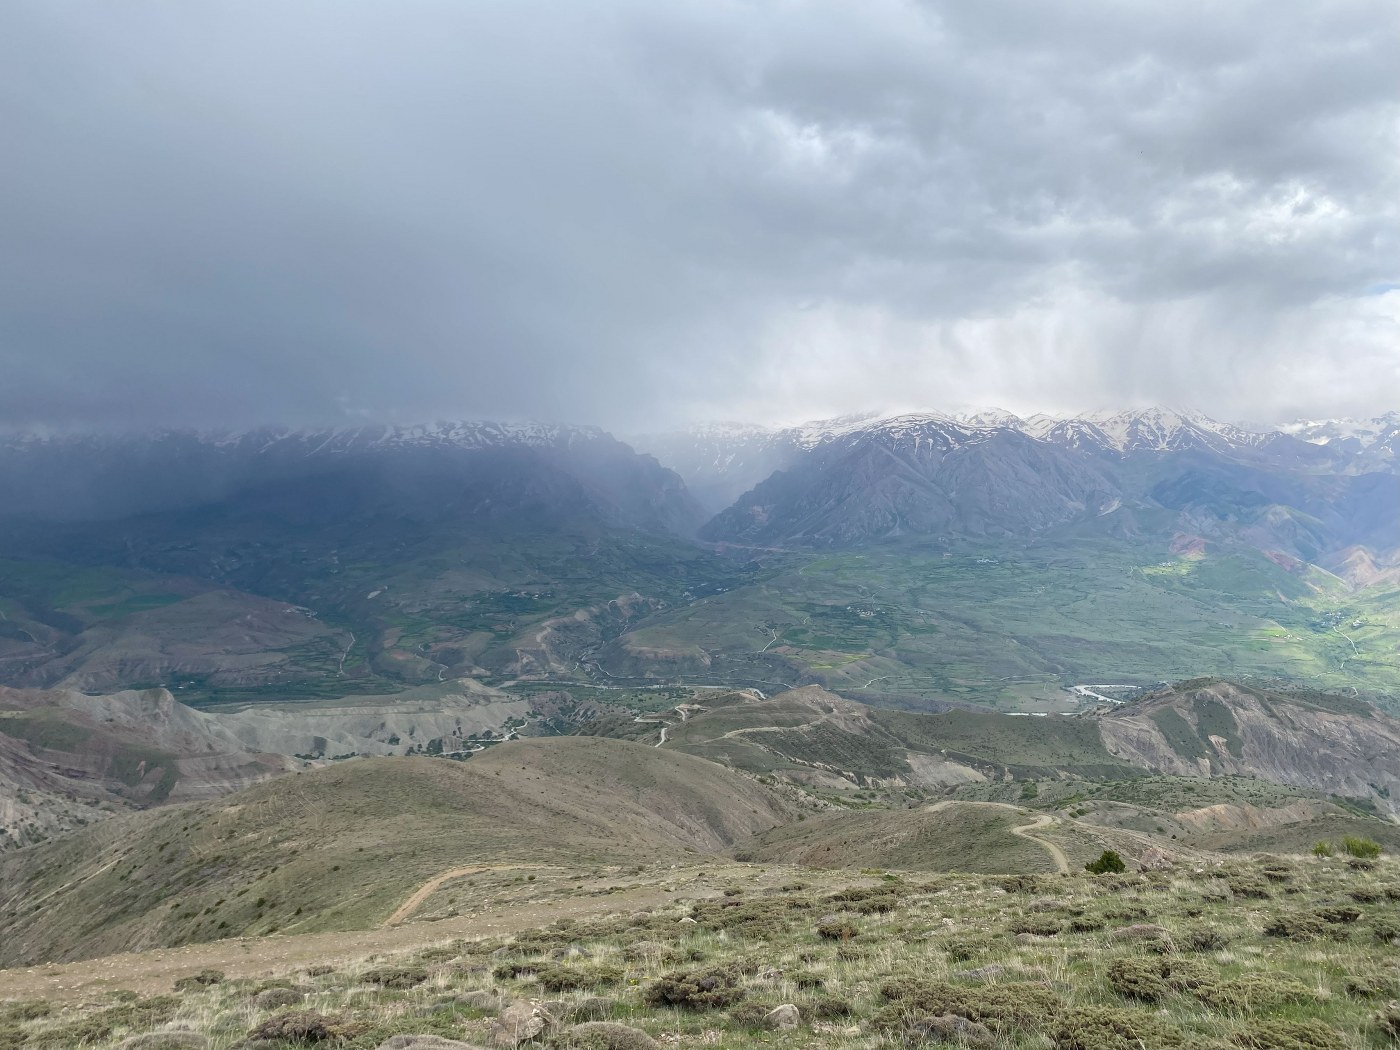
x=339, y=848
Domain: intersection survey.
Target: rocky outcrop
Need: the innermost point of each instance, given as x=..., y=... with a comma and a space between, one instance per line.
x=1209, y=729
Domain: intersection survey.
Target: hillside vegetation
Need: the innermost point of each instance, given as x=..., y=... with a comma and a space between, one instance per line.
x=1262, y=954
x=340, y=847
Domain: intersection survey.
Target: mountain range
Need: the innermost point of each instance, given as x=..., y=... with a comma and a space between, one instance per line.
x=280, y=564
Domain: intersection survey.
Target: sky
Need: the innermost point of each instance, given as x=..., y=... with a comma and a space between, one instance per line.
x=640, y=215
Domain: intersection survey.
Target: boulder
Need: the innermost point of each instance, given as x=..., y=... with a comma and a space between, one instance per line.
x=518, y=1022
x=1155, y=859
x=782, y=1018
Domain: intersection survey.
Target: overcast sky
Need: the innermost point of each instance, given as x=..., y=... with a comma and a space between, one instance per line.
x=640, y=213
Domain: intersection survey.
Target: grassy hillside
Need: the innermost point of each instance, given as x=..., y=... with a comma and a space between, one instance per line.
x=340, y=847
x=1013, y=625
x=1267, y=954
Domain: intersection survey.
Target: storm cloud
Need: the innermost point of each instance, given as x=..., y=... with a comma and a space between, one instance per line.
x=632, y=213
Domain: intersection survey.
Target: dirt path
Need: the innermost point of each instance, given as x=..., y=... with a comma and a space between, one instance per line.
x=1056, y=854
x=417, y=897
x=155, y=971
x=1025, y=831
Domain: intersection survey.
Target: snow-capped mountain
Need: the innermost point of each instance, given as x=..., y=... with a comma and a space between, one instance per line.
x=1374, y=443
x=987, y=472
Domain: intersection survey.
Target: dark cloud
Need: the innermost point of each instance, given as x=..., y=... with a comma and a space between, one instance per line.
x=219, y=213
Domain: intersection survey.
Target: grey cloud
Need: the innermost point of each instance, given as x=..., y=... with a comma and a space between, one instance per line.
x=630, y=213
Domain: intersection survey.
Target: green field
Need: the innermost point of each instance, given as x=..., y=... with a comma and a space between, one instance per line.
x=1012, y=627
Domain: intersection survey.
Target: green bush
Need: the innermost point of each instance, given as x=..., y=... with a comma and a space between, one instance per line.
x=696, y=989
x=396, y=976
x=1323, y=849
x=568, y=979
x=1359, y=847
x=1110, y=862
x=1289, y=1035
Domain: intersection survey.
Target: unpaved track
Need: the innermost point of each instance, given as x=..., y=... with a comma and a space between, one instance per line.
x=417, y=897
x=155, y=971
x=1025, y=831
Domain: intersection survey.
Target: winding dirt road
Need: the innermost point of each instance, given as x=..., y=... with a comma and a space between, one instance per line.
x=1025, y=831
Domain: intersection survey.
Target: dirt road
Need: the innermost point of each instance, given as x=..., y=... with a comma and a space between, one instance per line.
x=1025, y=831
x=155, y=971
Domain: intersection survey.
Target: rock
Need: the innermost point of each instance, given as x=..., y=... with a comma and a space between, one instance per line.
x=950, y=1028
x=687, y=921
x=518, y=1022
x=1155, y=859
x=782, y=1018
x=276, y=998
x=608, y=1035
x=424, y=1042
x=165, y=1041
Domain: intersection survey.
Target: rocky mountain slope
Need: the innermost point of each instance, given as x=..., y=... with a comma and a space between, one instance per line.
x=864, y=479
x=1210, y=729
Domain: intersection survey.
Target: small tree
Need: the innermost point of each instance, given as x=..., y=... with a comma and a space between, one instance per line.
x=1109, y=863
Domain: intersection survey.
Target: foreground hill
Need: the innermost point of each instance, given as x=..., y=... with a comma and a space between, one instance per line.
x=341, y=847
x=1257, y=954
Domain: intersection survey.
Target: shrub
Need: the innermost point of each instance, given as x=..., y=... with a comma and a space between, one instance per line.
x=1110, y=862
x=1251, y=992
x=1297, y=927
x=1204, y=939
x=948, y=1028
x=1138, y=979
x=1386, y=930
x=607, y=1035
x=1323, y=849
x=1003, y=1006
x=1366, y=849
x=396, y=976
x=835, y=928
x=1388, y=1019
x=749, y=1014
x=826, y=1008
x=567, y=979
x=696, y=989
x=1369, y=985
x=1108, y=1028
x=304, y=1026
x=277, y=998
x=1289, y=1035
x=203, y=979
